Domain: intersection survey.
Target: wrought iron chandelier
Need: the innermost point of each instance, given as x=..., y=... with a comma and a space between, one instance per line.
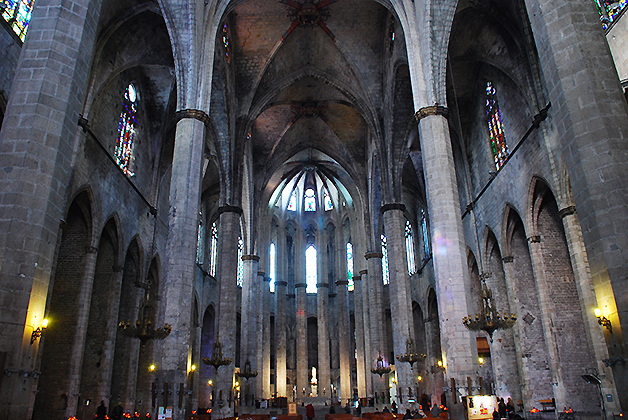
x=488, y=320
x=144, y=328
x=246, y=373
x=381, y=367
x=410, y=356
x=217, y=359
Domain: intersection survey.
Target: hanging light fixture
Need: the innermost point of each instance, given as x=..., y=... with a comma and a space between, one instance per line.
x=381, y=366
x=217, y=359
x=144, y=328
x=488, y=320
x=410, y=356
x=246, y=373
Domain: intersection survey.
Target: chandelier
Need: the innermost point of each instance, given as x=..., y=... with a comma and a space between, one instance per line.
x=144, y=328
x=381, y=366
x=217, y=360
x=410, y=356
x=488, y=320
x=246, y=373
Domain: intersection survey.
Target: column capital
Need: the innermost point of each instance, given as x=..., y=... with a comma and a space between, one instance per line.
x=370, y=255
x=195, y=114
x=332, y=295
x=534, y=239
x=365, y=272
x=261, y=273
x=392, y=206
x=357, y=277
x=341, y=282
x=250, y=258
x=304, y=285
x=431, y=110
x=290, y=296
x=229, y=209
x=567, y=211
x=280, y=283
x=508, y=259
x=322, y=284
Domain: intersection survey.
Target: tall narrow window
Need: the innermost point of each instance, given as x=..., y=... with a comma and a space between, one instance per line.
x=426, y=235
x=385, y=272
x=17, y=13
x=351, y=285
x=213, y=250
x=328, y=204
x=225, y=41
x=292, y=204
x=310, y=270
x=200, y=236
x=609, y=10
x=126, y=131
x=273, y=265
x=309, y=201
x=240, y=262
x=410, y=248
x=495, y=127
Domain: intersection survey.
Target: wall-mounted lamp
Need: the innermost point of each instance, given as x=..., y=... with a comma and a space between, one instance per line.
x=151, y=368
x=602, y=320
x=480, y=361
x=39, y=331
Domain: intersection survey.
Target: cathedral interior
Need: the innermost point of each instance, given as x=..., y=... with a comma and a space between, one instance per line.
x=230, y=203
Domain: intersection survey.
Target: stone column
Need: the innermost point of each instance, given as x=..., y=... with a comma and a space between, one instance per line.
x=592, y=145
x=280, y=333
x=83, y=306
x=248, y=336
x=263, y=331
x=588, y=301
x=38, y=137
x=344, y=341
x=400, y=306
x=359, y=335
x=303, y=382
x=229, y=231
x=324, y=375
x=379, y=346
x=450, y=262
x=368, y=353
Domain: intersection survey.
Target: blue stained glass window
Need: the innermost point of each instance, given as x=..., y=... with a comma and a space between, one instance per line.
x=329, y=205
x=17, y=13
x=351, y=285
x=213, y=250
x=410, y=248
x=426, y=235
x=273, y=265
x=126, y=131
x=292, y=204
x=495, y=127
x=240, y=262
x=200, y=235
x=385, y=271
x=309, y=202
x=311, y=277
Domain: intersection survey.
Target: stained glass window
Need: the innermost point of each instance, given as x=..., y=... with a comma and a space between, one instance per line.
x=310, y=270
x=240, y=262
x=200, y=235
x=385, y=272
x=213, y=250
x=609, y=10
x=17, y=13
x=351, y=285
x=225, y=41
x=292, y=204
x=309, y=202
x=126, y=131
x=273, y=266
x=329, y=205
x=495, y=127
x=410, y=248
x=426, y=235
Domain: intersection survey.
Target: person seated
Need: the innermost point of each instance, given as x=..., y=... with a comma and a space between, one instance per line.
x=408, y=414
x=385, y=410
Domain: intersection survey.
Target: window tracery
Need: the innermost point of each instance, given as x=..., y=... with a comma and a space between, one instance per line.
x=410, y=248
x=240, y=277
x=609, y=10
x=200, y=235
x=351, y=285
x=328, y=204
x=127, y=128
x=292, y=203
x=385, y=271
x=495, y=127
x=17, y=13
x=273, y=265
x=311, y=277
x=309, y=201
x=213, y=250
